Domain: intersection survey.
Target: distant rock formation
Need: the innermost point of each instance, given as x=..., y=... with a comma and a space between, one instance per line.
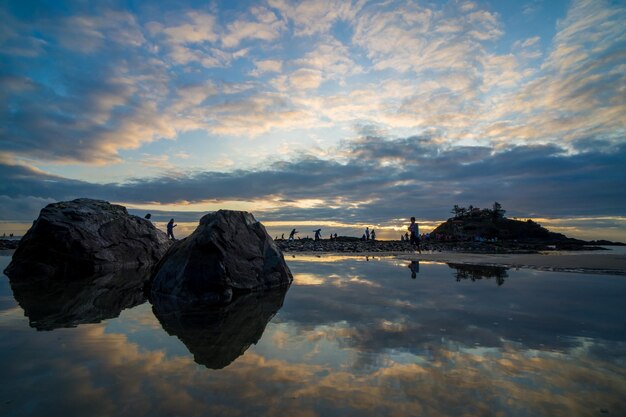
x=216, y=335
x=228, y=252
x=51, y=304
x=72, y=239
x=486, y=227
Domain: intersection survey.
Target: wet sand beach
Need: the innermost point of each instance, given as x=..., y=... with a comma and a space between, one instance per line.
x=586, y=263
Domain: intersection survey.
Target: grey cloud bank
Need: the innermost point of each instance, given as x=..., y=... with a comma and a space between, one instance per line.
x=379, y=180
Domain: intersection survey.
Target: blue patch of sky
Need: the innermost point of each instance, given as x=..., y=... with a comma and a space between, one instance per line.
x=343, y=31
x=524, y=20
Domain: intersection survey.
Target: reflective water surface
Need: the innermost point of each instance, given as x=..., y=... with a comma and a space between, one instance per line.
x=352, y=336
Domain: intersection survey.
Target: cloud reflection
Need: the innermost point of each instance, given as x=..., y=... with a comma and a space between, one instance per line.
x=349, y=350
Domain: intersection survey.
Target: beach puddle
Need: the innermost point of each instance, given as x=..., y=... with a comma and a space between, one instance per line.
x=352, y=336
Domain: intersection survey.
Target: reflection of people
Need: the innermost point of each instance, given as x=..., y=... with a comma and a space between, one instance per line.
x=415, y=233
x=415, y=268
x=170, y=229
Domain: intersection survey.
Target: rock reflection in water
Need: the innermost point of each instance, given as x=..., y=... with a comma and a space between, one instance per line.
x=216, y=335
x=51, y=304
x=476, y=272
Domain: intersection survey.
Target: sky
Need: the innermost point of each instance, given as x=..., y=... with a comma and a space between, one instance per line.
x=321, y=113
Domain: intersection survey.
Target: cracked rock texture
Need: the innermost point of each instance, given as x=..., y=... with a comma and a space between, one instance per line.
x=229, y=252
x=75, y=238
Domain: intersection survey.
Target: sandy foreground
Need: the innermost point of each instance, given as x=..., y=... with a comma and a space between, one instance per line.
x=587, y=263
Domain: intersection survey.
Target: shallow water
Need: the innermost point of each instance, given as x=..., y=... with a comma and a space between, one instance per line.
x=376, y=337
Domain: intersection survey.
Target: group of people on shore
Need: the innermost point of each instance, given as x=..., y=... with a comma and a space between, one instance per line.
x=412, y=235
x=369, y=235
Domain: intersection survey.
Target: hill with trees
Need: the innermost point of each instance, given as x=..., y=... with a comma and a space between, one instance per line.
x=474, y=223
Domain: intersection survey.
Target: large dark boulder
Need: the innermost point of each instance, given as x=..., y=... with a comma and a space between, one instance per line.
x=215, y=334
x=228, y=252
x=51, y=304
x=73, y=239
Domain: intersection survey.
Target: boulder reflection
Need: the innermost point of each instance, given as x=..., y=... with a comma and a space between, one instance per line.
x=51, y=304
x=477, y=272
x=216, y=335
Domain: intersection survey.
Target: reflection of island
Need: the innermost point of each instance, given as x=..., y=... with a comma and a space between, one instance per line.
x=414, y=266
x=218, y=334
x=476, y=272
x=51, y=304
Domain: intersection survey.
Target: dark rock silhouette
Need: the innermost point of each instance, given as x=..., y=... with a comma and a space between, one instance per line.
x=216, y=335
x=469, y=227
x=51, y=304
x=228, y=252
x=82, y=237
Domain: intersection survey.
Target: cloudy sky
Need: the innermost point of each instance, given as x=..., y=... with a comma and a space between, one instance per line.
x=338, y=114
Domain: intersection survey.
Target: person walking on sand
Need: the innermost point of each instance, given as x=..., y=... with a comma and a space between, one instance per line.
x=415, y=234
x=170, y=229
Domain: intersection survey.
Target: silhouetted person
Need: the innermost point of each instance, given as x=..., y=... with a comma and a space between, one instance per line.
x=282, y=237
x=170, y=229
x=415, y=234
x=406, y=237
x=335, y=236
x=415, y=268
x=292, y=234
x=401, y=238
x=373, y=234
x=367, y=233
x=318, y=234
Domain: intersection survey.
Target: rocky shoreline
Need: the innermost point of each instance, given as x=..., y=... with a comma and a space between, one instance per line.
x=8, y=244
x=349, y=245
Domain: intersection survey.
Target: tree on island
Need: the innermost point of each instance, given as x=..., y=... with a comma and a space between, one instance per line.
x=497, y=212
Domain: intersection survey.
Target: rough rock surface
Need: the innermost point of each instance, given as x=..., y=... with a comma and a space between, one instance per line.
x=228, y=252
x=216, y=335
x=73, y=239
x=51, y=304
